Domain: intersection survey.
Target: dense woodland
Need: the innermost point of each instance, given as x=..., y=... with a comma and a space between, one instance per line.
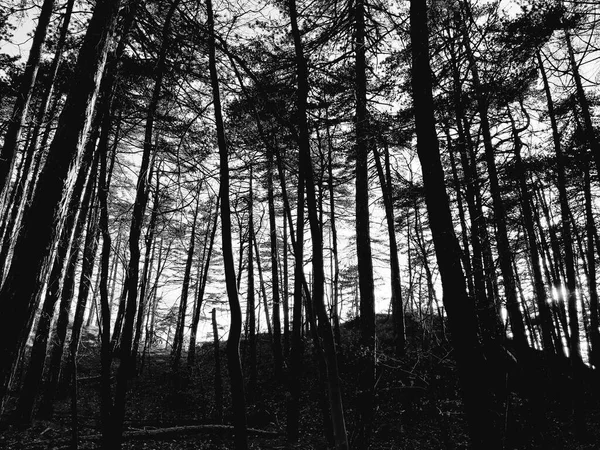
x=335, y=224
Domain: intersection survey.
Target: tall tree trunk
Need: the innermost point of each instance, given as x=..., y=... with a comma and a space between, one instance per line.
x=235, y=328
x=463, y=325
x=146, y=271
x=218, y=379
x=19, y=113
x=592, y=284
x=75, y=219
x=363, y=236
x=385, y=180
x=251, y=302
x=307, y=177
x=334, y=240
x=297, y=348
x=277, y=353
x=105, y=344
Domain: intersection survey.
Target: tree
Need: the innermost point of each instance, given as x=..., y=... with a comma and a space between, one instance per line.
x=235, y=328
x=463, y=325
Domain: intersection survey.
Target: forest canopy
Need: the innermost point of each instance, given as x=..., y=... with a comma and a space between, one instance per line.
x=358, y=198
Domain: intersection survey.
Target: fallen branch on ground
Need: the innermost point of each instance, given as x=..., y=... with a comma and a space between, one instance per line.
x=160, y=433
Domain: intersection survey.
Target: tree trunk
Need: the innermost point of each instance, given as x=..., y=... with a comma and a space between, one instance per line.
x=89, y=255
x=235, y=328
x=463, y=325
x=146, y=271
x=218, y=380
x=307, y=177
x=591, y=279
x=297, y=348
x=75, y=219
x=385, y=181
x=179, y=330
x=277, y=353
x=204, y=279
x=251, y=302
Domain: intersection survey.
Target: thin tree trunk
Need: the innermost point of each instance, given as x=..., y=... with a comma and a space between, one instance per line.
x=263, y=289
x=363, y=236
x=218, y=381
x=385, y=182
x=591, y=279
x=277, y=353
x=179, y=330
x=251, y=302
x=235, y=329
x=574, y=345
x=204, y=279
x=147, y=270
x=89, y=255
x=307, y=177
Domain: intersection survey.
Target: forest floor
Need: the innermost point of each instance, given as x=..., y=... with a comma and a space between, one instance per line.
x=418, y=403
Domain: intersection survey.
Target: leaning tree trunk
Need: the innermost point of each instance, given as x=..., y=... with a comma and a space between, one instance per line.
x=235, y=329
x=463, y=324
x=36, y=235
x=75, y=219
